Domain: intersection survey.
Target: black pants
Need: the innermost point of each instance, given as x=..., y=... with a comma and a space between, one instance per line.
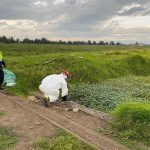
x=1, y=77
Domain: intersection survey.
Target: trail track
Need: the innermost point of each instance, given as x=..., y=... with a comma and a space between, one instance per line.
x=31, y=121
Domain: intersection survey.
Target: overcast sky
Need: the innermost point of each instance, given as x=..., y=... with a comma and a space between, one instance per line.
x=117, y=20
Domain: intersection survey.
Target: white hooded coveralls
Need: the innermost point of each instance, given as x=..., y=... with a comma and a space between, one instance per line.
x=51, y=86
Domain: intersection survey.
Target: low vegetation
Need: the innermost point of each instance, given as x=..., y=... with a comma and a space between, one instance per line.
x=62, y=141
x=7, y=138
x=1, y=114
x=132, y=120
x=106, y=95
x=131, y=125
x=87, y=64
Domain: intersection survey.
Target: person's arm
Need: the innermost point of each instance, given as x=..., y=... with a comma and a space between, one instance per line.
x=64, y=90
x=3, y=62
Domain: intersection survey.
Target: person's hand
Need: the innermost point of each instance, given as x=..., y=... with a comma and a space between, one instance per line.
x=64, y=98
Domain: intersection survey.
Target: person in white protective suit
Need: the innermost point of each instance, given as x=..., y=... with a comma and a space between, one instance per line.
x=51, y=86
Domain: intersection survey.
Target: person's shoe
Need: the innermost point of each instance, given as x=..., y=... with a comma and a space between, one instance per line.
x=46, y=101
x=1, y=88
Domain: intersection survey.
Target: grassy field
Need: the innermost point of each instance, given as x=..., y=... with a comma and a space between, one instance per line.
x=91, y=68
x=102, y=77
x=87, y=64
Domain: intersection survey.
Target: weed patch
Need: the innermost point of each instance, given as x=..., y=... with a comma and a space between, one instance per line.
x=61, y=141
x=1, y=114
x=7, y=138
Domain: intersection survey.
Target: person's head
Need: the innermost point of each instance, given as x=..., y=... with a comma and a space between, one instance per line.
x=66, y=74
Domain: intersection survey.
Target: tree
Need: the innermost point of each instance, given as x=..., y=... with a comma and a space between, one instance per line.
x=4, y=39
x=101, y=43
x=69, y=42
x=11, y=40
x=118, y=43
x=94, y=42
x=89, y=42
x=26, y=40
x=112, y=43
x=106, y=43
x=44, y=41
x=17, y=40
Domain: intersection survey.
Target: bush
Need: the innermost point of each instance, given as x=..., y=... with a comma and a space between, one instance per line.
x=132, y=120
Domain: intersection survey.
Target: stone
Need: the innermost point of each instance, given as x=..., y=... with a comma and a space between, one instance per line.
x=68, y=109
x=37, y=123
x=31, y=98
x=76, y=110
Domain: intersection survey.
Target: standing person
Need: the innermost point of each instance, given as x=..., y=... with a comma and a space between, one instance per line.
x=2, y=63
x=51, y=86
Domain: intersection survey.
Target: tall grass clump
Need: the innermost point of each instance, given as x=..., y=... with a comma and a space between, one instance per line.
x=132, y=121
x=138, y=65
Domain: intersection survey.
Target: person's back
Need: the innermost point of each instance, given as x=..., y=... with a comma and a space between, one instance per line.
x=52, y=84
x=53, y=81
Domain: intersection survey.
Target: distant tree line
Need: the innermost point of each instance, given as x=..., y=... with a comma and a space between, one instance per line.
x=43, y=40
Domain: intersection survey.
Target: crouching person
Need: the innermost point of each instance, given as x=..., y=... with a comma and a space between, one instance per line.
x=51, y=86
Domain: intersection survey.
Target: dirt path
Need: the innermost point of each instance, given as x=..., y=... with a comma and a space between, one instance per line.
x=31, y=121
x=26, y=124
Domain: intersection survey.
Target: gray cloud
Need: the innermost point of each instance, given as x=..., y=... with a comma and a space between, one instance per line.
x=147, y=12
x=70, y=18
x=90, y=11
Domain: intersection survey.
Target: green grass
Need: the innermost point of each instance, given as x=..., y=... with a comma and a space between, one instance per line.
x=130, y=143
x=131, y=125
x=132, y=120
x=87, y=64
x=62, y=141
x=7, y=138
x=2, y=113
